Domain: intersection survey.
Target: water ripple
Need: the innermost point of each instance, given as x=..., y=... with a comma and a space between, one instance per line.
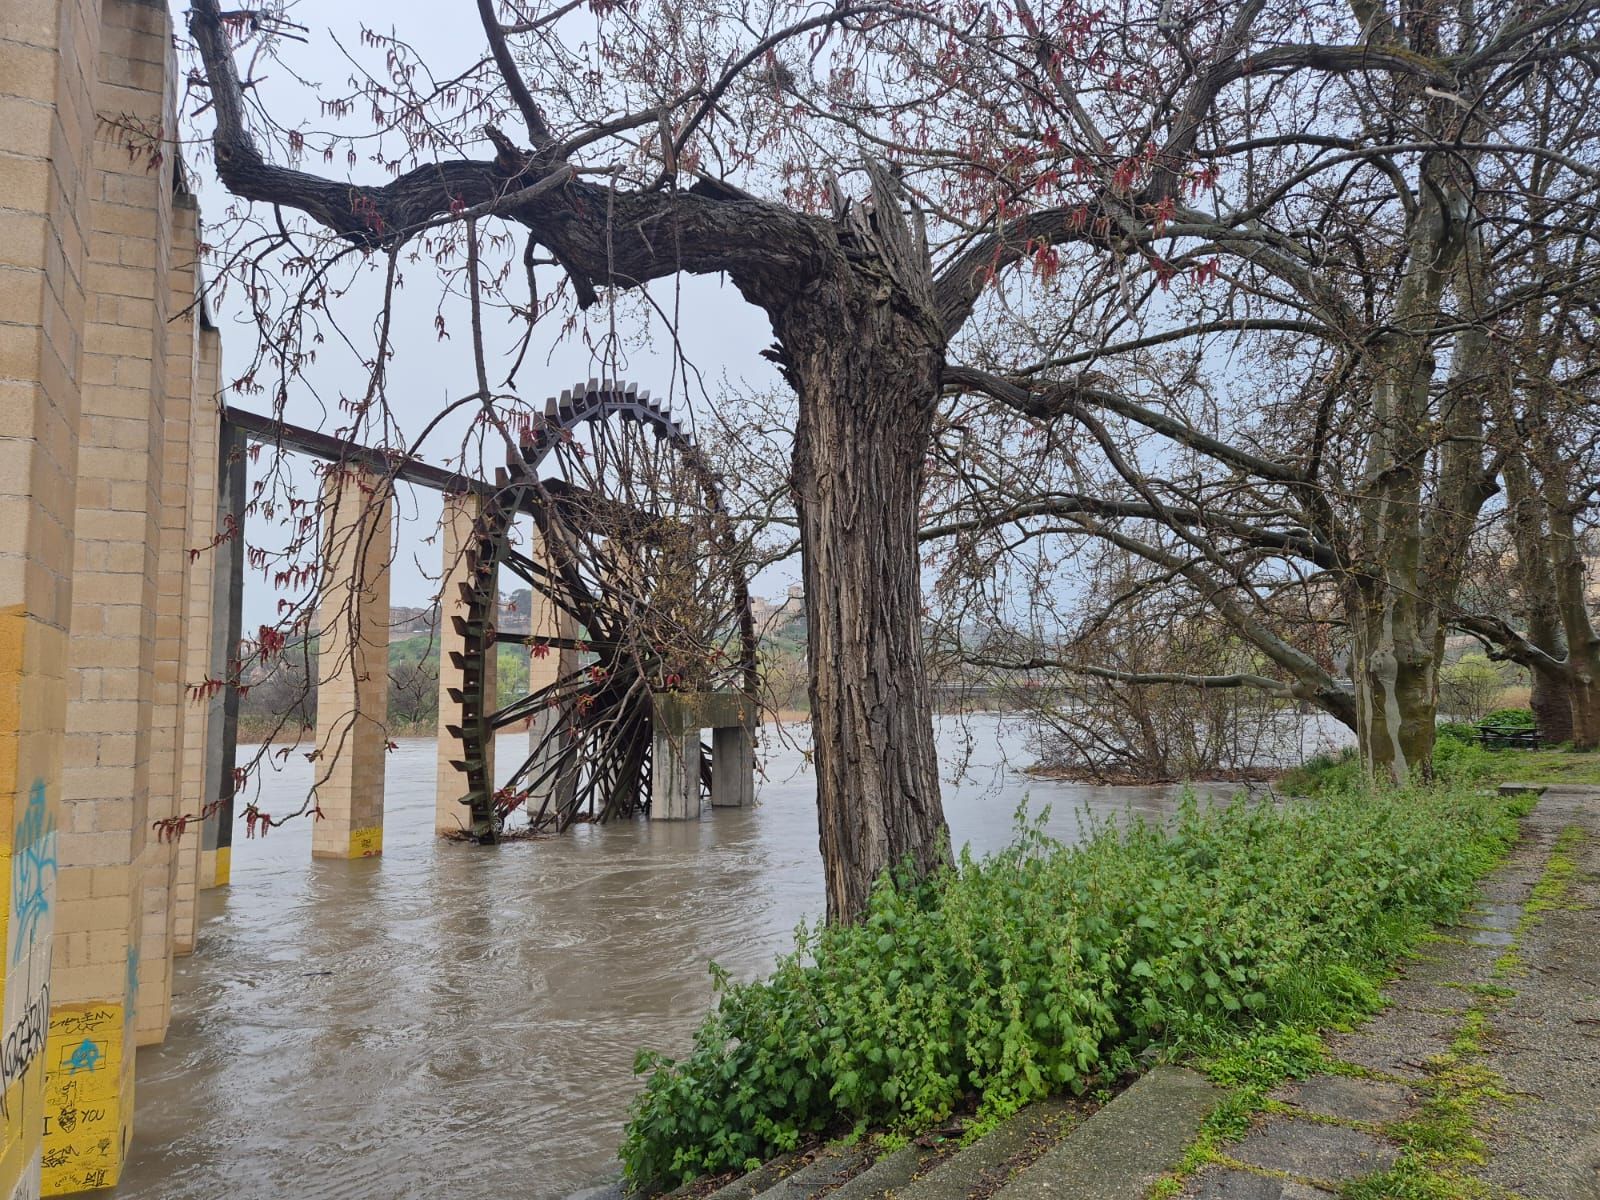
x=458, y=1020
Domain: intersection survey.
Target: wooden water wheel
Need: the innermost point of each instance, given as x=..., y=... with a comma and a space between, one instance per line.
x=613, y=519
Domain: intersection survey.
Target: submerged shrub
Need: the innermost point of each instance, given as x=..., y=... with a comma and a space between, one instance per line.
x=1045, y=968
x=1336, y=771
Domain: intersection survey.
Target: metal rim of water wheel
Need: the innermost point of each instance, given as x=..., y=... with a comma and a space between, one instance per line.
x=639, y=560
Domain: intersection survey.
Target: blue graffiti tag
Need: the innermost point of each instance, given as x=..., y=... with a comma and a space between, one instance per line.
x=85, y=1058
x=33, y=870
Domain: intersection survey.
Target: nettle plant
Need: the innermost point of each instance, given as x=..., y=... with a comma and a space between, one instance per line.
x=1045, y=969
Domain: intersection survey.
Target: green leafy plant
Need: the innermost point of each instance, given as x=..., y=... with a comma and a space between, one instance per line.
x=1046, y=968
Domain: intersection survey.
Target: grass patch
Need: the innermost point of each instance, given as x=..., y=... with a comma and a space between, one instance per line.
x=1551, y=764
x=1232, y=933
x=1550, y=892
x=1457, y=759
x=1441, y=1144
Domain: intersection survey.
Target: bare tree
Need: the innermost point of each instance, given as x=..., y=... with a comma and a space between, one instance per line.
x=713, y=138
x=1358, y=255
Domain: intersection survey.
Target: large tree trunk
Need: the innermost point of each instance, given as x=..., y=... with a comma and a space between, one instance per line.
x=1412, y=549
x=1551, y=699
x=1583, y=643
x=1395, y=672
x=867, y=385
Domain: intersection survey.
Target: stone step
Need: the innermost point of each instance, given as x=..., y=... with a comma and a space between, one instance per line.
x=1119, y=1152
x=756, y=1181
x=1114, y=1155
x=819, y=1177
x=966, y=1170
x=890, y=1173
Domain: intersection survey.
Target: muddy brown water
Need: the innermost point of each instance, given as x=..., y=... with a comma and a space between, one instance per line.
x=459, y=1021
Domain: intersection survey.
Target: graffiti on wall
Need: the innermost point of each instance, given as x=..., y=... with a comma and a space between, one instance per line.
x=84, y=1125
x=33, y=872
x=28, y=869
x=23, y=1043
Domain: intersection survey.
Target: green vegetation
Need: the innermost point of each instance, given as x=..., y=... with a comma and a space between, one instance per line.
x=1470, y=686
x=1510, y=718
x=1047, y=968
x=1440, y=1144
x=413, y=689
x=1551, y=765
x=1457, y=758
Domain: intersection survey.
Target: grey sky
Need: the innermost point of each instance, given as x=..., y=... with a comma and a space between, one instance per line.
x=719, y=335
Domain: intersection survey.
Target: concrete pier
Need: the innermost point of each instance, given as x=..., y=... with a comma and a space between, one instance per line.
x=47, y=63
x=206, y=634
x=733, y=767
x=110, y=977
x=352, y=664
x=675, y=776
x=675, y=752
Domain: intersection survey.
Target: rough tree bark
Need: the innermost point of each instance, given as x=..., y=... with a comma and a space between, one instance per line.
x=1394, y=599
x=1583, y=642
x=863, y=348
x=1552, y=690
x=864, y=423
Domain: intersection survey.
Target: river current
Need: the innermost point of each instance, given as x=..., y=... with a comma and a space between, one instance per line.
x=460, y=1021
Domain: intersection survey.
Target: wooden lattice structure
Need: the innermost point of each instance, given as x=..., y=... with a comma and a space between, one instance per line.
x=611, y=516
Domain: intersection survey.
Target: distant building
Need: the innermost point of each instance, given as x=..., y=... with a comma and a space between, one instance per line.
x=407, y=622
x=771, y=616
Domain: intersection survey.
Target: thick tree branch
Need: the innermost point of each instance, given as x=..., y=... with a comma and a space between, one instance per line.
x=1046, y=402
x=1296, y=543
x=538, y=130
x=1138, y=678
x=604, y=238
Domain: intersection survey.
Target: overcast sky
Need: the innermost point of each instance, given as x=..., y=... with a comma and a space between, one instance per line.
x=718, y=333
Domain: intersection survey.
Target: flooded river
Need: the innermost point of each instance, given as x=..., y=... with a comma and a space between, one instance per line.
x=459, y=1021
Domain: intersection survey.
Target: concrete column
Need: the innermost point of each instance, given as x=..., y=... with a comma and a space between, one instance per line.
x=202, y=711
x=674, y=775
x=106, y=850
x=158, y=940
x=450, y=816
x=733, y=767
x=546, y=664
x=352, y=665
x=47, y=56
x=679, y=717
x=227, y=617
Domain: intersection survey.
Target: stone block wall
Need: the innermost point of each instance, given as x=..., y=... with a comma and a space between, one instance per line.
x=108, y=436
x=201, y=713
x=118, y=769
x=48, y=51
